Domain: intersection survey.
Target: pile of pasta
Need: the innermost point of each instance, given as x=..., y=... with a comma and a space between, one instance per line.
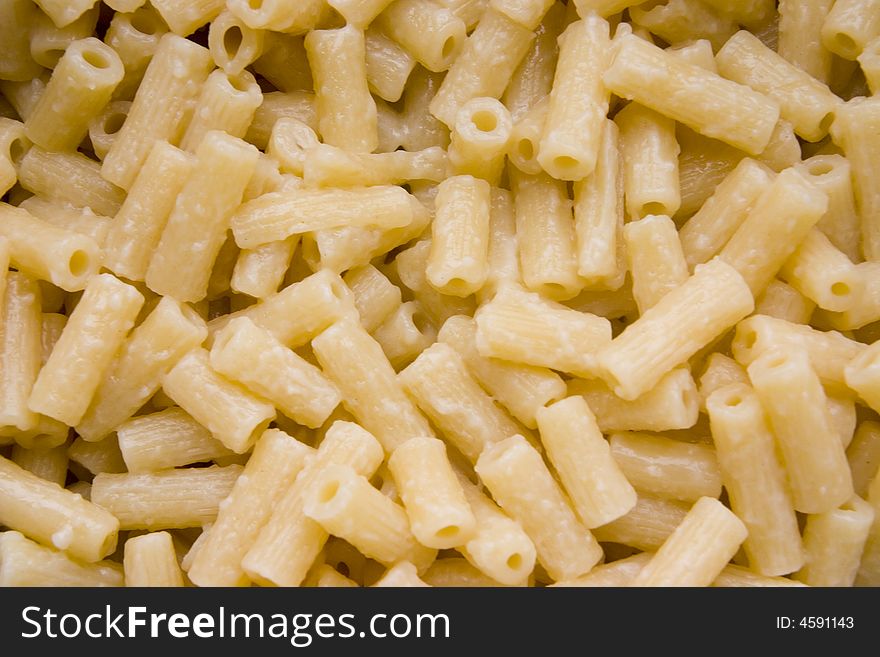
x=439, y=292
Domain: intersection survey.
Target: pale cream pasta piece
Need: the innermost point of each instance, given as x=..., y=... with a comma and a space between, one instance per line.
x=525, y=138
x=172, y=80
x=618, y=573
x=370, y=389
x=800, y=36
x=323, y=165
x=456, y=572
x=102, y=456
x=656, y=259
x=252, y=356
x=524, y=327
x=869, y=63
x=863, y=455
x=184, y=18
x=520, y=482
x=168, y=499
x=166, y=439
x=78, y=220
x=227, y=102
x=443, y=388
x=16, y=62
x=288, y=544
x=850, y=26
x=388, y=66
x=259, y=272
x=457, y=263
x=667, y=468
x=433, y=34
x=85, y=350
x=484, y=66
x=730, y=112
x=233, y=44
x=795, y=402
x=405, y=333
x=276, y=461
x=346, y=505
x=673, y=403
x=439, y=514
x=782, y=301
x=479, y=139
x=13, y=145
x=753, y=13
x=579, y=99
x=834, y=542
x=698, y=549
x=598, y=488
x=20, y=350
x=682, y=21
x=195, y=232
x=106, y=125
x=755, y=480
x=134, y=36
x=522, y=389
x=711, y=301
x=54, y=516
x=375, y=296
x=650, y=522
x=81, y=85
x=279, y=15
x=25, y=563
x=359, y=12
x=720, y=371
x=47, y=463
x=150, y=560
x=234, y=415
x=278, y=105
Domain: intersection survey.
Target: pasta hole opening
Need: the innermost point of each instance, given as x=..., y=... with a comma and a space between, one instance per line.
x=113, y=123
x=255, y=4
x=749, y=339
x=840, y=289
x=448, y=47
x=733, y=400
x=420, y=321
x=653, y=208
x=232, y=41
x=554, y=290
x=450, y=531
x=455, y=286
x=565, y=162
x=17, y=150
x=776, y=362
x=78, y=264
x=485, y=121
x=820, y=168
x=826, y=122
x=328, y=492
x=845, y=43
x=514, y=561
x=95, y=59
x=526, y=149
x=144, y=23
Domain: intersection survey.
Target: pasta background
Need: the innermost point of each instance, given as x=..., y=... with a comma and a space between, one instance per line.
x=549, y=292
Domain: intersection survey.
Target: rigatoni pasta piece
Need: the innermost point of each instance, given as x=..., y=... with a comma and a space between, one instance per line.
x=792, y=396
x=405, y=333
x=671, y=404
x=279, y=15
x=150, y=560
x=650, y=522
x=834, y=541
x=137, y=228
x=388, y=65
x=260, y=271
x=375, y=297
x=235, y=416
x=134, y=36
x=594, y=481
x=545, y=234
x=227, y=102
x=433, y=34
x=720, y=371
x=102, y=456
x=20, y=349
x=681, y=21
x=649, y=154
x=484, y=66
x=804, y=101
x=80, y=87
x=439, y=514
x=457, y=263
x=277, y=105
x=863, y=455
x=370, y=390
x=165, y=336
x=184, y=18
x=782, y=301
x=525, y=138
x=712, y=300
x=697, y=550
x=525, y=328
x=278, y=215
x=104, y=127
x=578, y=101
x=522, y=389
x=731, y=112
x=599, y=215
x=25, y=563
x=166, y=439
x=823, y=273
x=346, y=110
x=780, y=218
x=480, y=135
x=456, y=572
x=70, y=178
x=289, y=543
x=346, y=505
x=667, y=468
x=171, y=82
x=753, y=13
x=168, y=499
x=13, y=145
x=251, y=355
x=47, y=463
x=755, y=480
x=518, y=479
x=527, y=13
x=233, y=44
x=271, y=470
x=655, y=257
x=800, y=36
x=54, y=516
x=359, y=12
x=443, y=388
x=869, y=63
x=78, y=220
x=849, y=26
x=328, y=166
x=862, y=375
x=85, y=350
